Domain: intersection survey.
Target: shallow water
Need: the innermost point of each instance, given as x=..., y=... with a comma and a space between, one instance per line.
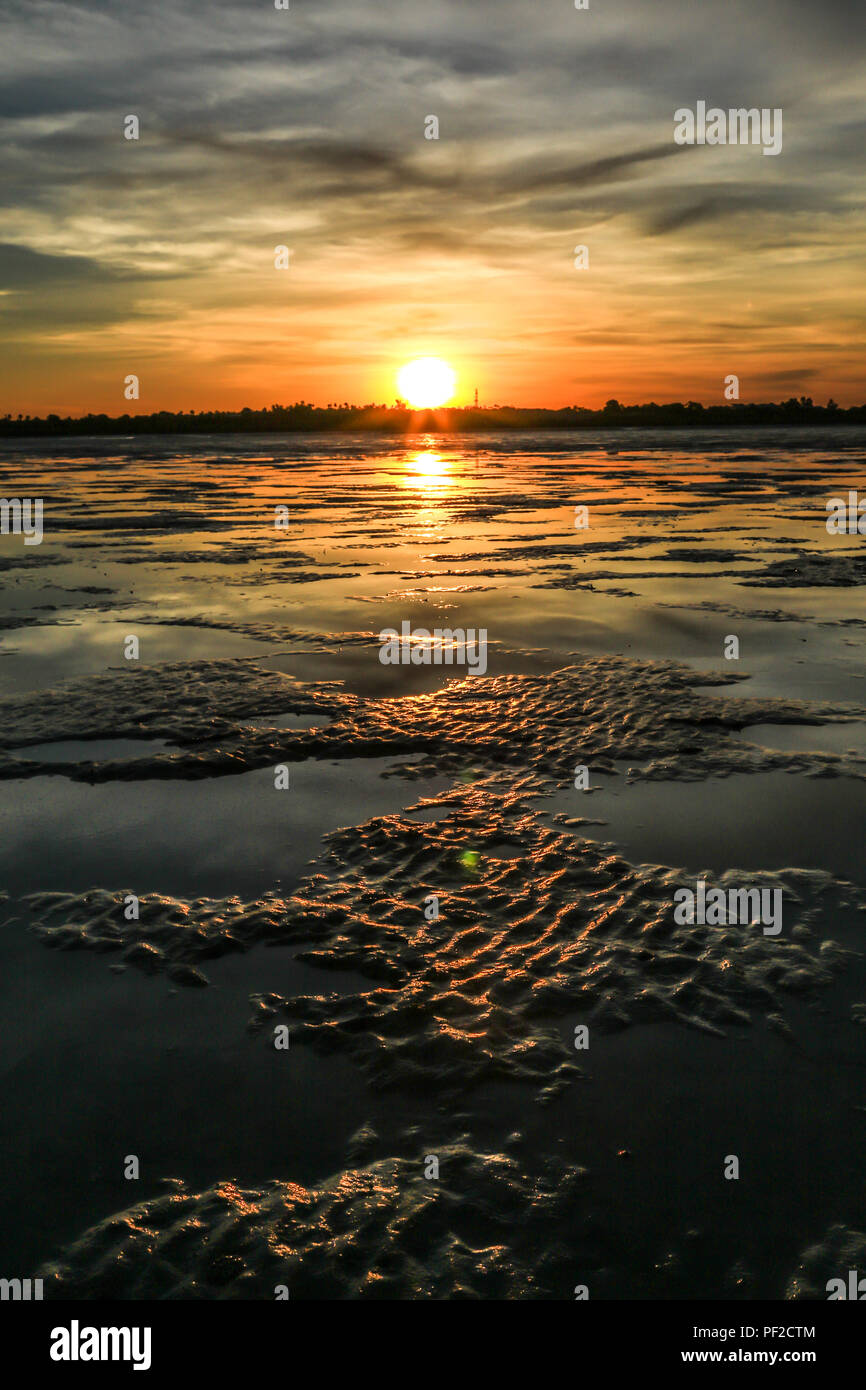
x=832, y=738
x=410, y=1036
x=81, y=751
x=762, y=821
x=209, y=838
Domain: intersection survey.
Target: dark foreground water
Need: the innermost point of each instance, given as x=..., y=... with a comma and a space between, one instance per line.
x=173, y=910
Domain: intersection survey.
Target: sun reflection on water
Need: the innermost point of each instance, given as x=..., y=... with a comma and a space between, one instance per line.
x=429, y=465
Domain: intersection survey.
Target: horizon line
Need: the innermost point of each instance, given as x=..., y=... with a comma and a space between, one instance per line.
x=304, y=417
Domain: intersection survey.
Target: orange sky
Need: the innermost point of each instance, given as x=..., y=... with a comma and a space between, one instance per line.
x=260, y=129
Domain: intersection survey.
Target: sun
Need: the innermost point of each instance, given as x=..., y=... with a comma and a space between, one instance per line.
x=426, y=382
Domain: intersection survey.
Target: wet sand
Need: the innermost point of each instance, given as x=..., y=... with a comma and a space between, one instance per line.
x=413, y=1038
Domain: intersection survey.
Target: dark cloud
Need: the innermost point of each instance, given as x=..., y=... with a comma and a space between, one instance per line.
x=531, y=178
x=690, y=208
x=22, y=268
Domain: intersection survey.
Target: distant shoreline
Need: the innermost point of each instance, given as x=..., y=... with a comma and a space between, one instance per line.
x=308, y=419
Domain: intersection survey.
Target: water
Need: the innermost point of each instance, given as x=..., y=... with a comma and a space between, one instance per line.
x=259, y=647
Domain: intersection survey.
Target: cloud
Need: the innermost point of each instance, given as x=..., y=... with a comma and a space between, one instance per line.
x=306, y=127
x=22, y=268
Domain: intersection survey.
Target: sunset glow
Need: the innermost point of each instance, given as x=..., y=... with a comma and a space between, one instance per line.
x=275, y=236
x=426, y=383
x=432, y=443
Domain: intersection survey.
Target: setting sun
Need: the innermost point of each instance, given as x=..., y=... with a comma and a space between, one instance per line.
x=426, y=382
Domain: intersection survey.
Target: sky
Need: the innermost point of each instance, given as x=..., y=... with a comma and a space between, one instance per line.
x=305, y=128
